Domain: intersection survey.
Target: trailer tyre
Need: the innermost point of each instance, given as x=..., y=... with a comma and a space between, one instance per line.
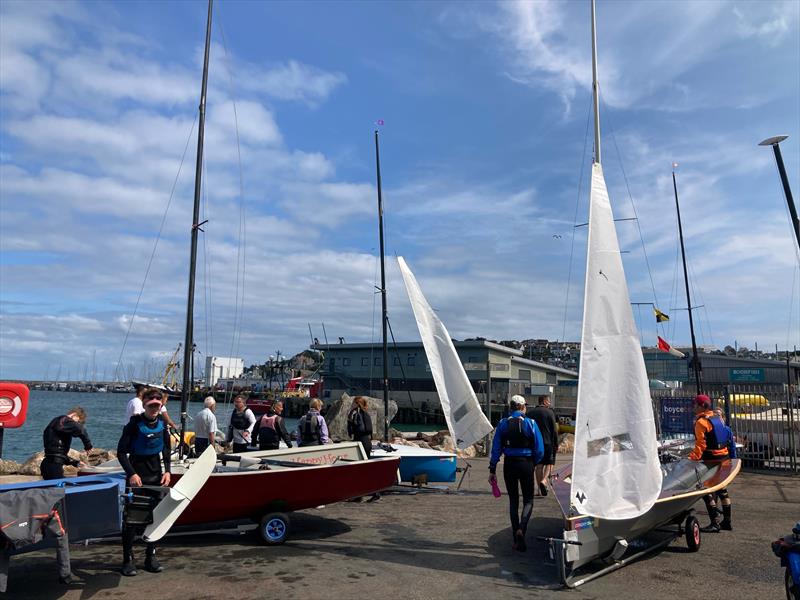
x=692, y=530
x=273, y=528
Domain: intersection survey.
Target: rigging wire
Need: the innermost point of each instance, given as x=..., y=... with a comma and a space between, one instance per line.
x=207, y=279
x=238, y=313
x=155, y=247
x=574, y=222
x=630, y=197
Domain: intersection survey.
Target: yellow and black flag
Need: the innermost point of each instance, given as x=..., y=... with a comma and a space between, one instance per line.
x=660, y=316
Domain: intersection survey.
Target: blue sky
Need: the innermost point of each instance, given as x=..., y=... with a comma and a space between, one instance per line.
x=485, y=108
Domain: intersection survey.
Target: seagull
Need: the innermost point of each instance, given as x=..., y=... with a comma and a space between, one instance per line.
x=556, y=236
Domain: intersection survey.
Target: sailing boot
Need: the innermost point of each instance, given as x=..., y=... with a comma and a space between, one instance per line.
x=712, y=527
x=151, y=562
x=128, y=565
x=726, y=518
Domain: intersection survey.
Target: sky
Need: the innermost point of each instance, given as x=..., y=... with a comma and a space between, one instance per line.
x=485, y=155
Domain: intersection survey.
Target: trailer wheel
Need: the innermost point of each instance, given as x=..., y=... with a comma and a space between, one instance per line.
x=273, y=528
x=692, y=530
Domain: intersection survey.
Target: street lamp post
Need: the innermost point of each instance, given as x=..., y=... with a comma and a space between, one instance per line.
x=775, y=143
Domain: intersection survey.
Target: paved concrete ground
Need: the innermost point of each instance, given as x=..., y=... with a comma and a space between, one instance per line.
x=431, y=546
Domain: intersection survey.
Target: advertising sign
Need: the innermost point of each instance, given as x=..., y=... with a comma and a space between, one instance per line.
x=677, y=415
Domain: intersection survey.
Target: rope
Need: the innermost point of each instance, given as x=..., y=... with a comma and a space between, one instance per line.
x=153, y=253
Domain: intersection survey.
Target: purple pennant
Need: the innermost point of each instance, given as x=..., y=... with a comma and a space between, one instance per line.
x=379, y=122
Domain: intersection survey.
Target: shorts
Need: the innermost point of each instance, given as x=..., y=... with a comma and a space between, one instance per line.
x=549, y=457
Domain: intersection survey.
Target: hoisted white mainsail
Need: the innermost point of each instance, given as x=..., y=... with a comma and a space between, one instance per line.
x=465, y=420
x=615, y=468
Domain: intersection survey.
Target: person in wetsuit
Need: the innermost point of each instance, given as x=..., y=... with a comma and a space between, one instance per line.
x=271, y=429
x=141, y=450
x=57, y=439
x=518, y=438
x=713, y=442
x=359, y=424
x=545, y=420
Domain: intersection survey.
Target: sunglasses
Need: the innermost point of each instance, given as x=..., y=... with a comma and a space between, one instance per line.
x=158, y=397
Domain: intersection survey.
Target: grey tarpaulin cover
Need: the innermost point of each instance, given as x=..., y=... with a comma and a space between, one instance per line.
x=25, y=515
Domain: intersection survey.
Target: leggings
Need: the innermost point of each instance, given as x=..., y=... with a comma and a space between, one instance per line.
x=518, y=471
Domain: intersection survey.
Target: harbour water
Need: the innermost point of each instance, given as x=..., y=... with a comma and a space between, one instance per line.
x=105, y=418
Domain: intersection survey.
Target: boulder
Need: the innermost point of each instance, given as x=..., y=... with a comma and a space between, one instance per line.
x=95, y=456
x=566, y=443
x=336, y=417
x=9, y=467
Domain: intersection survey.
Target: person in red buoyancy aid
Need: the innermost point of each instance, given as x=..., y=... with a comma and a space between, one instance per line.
x=272, y=429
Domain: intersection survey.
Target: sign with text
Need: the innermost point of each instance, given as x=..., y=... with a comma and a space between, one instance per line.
x=746, y=375
x=677, y=415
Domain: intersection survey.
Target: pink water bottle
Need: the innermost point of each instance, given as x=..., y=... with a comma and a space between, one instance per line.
x=495, y=489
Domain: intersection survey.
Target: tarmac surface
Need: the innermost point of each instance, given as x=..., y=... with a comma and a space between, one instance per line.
x=430, y=545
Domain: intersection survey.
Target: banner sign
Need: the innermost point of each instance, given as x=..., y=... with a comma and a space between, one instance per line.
x=677, y=415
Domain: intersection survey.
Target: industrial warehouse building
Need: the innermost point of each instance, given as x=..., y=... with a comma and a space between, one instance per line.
x=357, y=369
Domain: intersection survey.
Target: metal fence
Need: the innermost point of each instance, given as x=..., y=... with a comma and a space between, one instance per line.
x=764, y=418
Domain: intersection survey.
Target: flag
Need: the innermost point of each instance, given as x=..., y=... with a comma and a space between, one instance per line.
x=663, y=345
x=660, y=316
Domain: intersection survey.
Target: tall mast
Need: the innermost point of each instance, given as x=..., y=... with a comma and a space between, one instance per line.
x=384, y=315
x=595, y=89
x=775, y=143
x=188, y=343
x=695, y=357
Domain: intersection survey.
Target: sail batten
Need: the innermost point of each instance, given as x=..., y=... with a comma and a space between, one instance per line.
x=465, y=420
x=615, y=472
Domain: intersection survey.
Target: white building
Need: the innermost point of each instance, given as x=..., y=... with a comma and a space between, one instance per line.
x=221, y=367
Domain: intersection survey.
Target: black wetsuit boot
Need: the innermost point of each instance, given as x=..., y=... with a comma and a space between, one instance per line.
x=151, y=562
x=128, y=565
x=726, y=518
x=712, y=527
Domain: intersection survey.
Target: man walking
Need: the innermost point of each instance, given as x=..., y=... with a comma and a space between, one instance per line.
x=205, y=425
x=545, y=419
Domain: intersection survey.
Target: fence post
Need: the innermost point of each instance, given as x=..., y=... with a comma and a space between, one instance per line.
x=790, y=414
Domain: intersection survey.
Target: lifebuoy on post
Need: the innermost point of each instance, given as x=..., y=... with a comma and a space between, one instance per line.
x=13, y=404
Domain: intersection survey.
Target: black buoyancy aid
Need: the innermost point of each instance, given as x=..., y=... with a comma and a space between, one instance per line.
x=718, y=437
x=56, y=442
x=239, y=420
x=149, y=440
x=514, y=435
x=311, y=429
x=268, y=429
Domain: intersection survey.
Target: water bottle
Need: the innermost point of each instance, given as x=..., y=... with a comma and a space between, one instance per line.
x=495, y=489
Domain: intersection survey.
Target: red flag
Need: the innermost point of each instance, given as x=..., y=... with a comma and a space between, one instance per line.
x=663, y=345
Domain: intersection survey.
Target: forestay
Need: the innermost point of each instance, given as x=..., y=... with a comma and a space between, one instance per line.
x=465, y=420
x=615, y=471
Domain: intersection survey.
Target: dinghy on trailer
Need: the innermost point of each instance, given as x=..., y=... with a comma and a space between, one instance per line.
x=616, y=490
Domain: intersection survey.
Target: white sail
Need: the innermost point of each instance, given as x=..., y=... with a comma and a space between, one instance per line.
x=465, y=420
x=615, y=469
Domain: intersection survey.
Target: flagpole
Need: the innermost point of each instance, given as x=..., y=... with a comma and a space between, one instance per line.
x=695, y=357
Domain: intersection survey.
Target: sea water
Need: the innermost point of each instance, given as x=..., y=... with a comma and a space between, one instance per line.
x=104, y=421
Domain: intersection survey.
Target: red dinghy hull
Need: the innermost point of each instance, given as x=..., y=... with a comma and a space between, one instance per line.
x=228, y=496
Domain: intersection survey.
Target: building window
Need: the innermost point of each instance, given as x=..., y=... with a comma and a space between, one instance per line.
x=396, y=361
x=525, y=374
x=345, y=362
x=332, y=364
x=364, y=361
x=412, y=360
x=378, y=361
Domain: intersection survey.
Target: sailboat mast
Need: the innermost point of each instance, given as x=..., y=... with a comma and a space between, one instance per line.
x=384, y=315
x=595, y=89
x=695, y=357
x=188, y=343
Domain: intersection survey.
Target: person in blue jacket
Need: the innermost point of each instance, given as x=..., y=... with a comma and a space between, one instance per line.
x=519, y=439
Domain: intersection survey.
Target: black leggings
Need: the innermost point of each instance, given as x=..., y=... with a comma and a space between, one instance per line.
x=518, y=471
